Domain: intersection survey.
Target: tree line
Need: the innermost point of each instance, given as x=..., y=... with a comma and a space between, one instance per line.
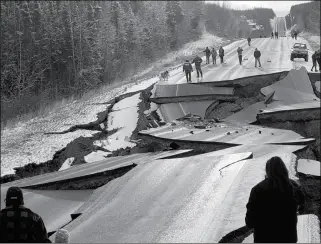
x=306, y=16
x=54, y=49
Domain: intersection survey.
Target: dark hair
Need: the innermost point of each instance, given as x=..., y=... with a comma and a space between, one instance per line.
x=187, y=60
x=278, y=175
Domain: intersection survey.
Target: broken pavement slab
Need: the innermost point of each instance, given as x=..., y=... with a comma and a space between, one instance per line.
x=226, y=133
x=54, y=207
x=294, y=88
x=145, y=199
x=92, y=169
x=309, y=167
x=191, y=92
x=291, y=112
x=208, y=200
x=173, y=111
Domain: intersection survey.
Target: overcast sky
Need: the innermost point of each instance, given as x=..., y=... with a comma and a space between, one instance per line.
x=281, y=8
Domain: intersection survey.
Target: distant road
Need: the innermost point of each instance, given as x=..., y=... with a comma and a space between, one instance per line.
x=275, y=58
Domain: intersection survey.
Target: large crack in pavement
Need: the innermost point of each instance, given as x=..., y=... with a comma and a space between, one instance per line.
x=82, y=146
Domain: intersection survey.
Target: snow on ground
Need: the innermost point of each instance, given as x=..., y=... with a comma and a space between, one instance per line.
x=142, y=85
x=313, y=39
x=24, y=142
x=309, y=167
x=96, y=156
x=124, y=117
x=197, y=47
x=67, y=164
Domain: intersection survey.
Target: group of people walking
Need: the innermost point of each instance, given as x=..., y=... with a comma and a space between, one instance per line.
x=274, y=35
x=272, y=211
x=188, y=68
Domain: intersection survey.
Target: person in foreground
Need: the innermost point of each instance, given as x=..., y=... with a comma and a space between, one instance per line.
x=273, y=205
x=19, y=224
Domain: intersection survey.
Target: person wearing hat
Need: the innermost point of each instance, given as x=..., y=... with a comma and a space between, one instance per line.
x=18, y=223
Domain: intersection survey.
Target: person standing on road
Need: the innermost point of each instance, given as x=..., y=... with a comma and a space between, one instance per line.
x=249, y=41
x=214, y=54
x=295, y=34
x=314, y=61
x=221, y=54
x=239, y=52
x=273, y=205
x=208, y=54
x=188, y=69
x=198, y=62
x=272, y=36
x=257, y=55
x=318, y=58
x=18, y=223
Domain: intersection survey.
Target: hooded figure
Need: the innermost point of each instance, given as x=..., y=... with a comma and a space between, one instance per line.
x=18, y=223
x=273, y=205
x=214, y=54
x=249, y=41
x=221, y=54
x=187, y=68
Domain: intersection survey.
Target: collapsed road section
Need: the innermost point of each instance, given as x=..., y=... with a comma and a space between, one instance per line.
x=221, y=141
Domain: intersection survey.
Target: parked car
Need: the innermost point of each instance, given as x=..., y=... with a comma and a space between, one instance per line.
x=300, y=50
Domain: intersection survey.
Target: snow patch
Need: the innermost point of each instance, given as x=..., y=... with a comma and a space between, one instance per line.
x=124, y=118
x=67, y=164
x=114, y=144
x=96, y=156
x=309, y=167
x=142, y=85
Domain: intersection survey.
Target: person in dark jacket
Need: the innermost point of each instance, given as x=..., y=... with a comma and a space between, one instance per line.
x=198, y=62
x=272, y=36
x=18, y=223
x=314, y=61
x=208, y=54
x=188, y=69
x=249, y=41
x=214, y=54
x=221, y=54
x=277, y=35
x=295, y=34
x=257, y=55
x=239, y=52
x=273, y=205
x=318, y=58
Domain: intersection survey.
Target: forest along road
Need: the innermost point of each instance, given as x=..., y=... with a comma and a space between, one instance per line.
x=275, y=57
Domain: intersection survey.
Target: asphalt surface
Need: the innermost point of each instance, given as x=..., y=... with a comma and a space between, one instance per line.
x=194, y=199
x=92, y=168
x=275, y=57
x=231, y=133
